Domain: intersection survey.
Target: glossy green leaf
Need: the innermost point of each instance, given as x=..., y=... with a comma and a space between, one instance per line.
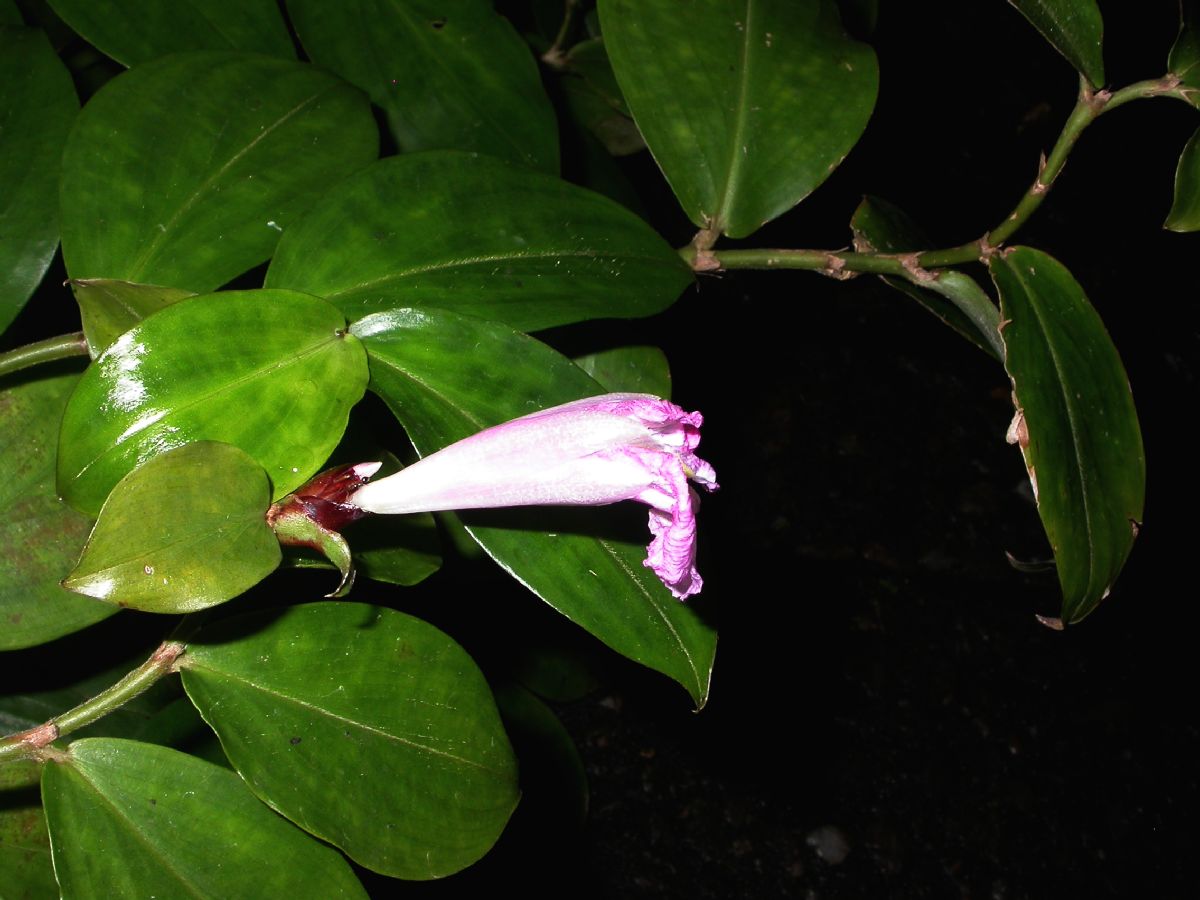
x=1185, y=211
x=1075, y=29
x=185, y=530
x=1075, y=423
x=634, y=370
x=747, y=105
x=129, y=819
x=37, y=106
x=479, y=236
x=446, y=377
x=137, y=31
x=24, y=842
x=1185, y=53
x=109, y=308
x=366, y=727
x=449, y=74
x=41, y=534
x=184, y=171
x=954, y=298
x=272, y=372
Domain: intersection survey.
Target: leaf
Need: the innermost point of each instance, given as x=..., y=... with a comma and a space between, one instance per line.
x=368, y=728
x=1185, y=210
x=595, y=99
x=634, y=370
x=9, y=14
x=1185, y=52
x=553, y=779
x=481, y=237
x=446, y=377
x=42, y=534
x=109, y=308
x=37, y=106
x=129, y=819
x=402, y=552
x=449, y=74
x=24, y=841
x=1076, y=424
x=183, y=172
x=954, y=298
x=1075, y=29
x=747, y=105
x=185, y=530
x=137, y=31
x=271, y=372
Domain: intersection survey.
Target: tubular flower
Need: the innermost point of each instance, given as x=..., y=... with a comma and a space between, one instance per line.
x=586, y=453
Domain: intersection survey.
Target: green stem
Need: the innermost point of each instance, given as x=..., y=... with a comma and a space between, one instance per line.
x=915, y=266
x=33, y=742
x=62, y=347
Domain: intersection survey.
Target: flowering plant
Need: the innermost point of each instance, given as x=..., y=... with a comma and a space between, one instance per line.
x=262, y=222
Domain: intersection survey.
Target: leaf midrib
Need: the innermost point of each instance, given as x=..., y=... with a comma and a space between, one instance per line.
x=328, y=713
x=1071, y=422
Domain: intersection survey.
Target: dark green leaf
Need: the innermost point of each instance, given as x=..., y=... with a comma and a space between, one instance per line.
x=396, y=552
x=9, y=14
x=595, y=99
x=42, y=534
x=633, y=370
x=553, y=780
x=272, y=372
x=110, y=308
x=482, y=237
x=185, y=530
x=447, y=377
x=37, y=106
x=137, y=31
x=184, y=171
x=450, y=74
x=1185, y=211
x=1076, y=30
x=1185, y=53
x=747, y=105
x=556, y=673
x=24, y=841
x=368, y=728
x=129, y=819
x=953, y=297
x=1075, y=423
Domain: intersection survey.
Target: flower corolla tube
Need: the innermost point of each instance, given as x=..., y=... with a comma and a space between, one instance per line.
x=586, y=453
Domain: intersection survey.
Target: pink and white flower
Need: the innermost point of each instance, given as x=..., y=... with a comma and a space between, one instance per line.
x=586, y=453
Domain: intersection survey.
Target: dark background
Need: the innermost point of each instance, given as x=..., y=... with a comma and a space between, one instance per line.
x=887, y=717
